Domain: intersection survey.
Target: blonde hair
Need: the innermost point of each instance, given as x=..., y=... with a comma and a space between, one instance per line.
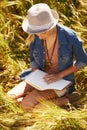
x=29, y=39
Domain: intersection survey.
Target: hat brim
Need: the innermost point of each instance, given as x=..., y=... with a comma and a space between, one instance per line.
x=27, y=28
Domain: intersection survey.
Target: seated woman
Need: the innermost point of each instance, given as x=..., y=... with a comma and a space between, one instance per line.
x=56, y=49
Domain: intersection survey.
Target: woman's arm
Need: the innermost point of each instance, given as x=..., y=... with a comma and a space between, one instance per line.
x=50, y=78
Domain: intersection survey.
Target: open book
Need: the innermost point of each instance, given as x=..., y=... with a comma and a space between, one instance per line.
x=35, y=79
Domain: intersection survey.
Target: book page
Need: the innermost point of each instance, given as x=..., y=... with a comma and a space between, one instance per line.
x=36, y=80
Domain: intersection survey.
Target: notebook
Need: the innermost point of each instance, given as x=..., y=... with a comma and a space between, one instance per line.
x=35, y=79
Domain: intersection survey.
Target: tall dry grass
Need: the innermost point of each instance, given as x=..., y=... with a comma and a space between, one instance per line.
x=14, y=58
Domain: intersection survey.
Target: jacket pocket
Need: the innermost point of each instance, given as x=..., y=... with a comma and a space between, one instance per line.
x=64, y=58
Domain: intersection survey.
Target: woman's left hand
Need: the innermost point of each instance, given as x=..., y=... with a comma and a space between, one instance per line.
x=50, y=78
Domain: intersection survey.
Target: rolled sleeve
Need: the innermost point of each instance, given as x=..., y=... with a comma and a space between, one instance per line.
x=33, y=64
x=32, y=60
x=80, y=65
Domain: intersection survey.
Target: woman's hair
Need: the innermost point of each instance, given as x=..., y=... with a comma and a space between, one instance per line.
x=29, y=39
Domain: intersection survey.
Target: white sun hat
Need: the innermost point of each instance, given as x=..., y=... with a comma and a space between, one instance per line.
x=40, y=18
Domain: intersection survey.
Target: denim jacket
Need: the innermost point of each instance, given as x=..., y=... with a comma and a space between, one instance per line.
x=70, y=51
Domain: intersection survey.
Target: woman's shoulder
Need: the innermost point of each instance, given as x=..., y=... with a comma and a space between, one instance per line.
x=68, y=32
x=65, y=29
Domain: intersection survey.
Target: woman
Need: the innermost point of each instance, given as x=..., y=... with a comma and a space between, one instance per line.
x=56, y=49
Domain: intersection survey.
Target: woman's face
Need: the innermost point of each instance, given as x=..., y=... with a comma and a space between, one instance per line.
x=46, y=34
x=43, y=35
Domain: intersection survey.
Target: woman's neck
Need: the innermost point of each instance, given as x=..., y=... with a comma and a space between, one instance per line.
x=51, y=37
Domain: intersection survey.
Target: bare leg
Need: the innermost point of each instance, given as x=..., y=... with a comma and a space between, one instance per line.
x=20, y=90
x=33, y=98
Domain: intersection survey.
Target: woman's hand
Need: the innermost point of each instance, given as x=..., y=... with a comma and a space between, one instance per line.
x=50, y=78
x=33, y=69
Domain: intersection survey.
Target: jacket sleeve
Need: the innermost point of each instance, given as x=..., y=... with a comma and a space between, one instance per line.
x=79, y=52
x=32, y=60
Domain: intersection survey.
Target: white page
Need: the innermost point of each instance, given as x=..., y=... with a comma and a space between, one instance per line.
x=36, y=78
